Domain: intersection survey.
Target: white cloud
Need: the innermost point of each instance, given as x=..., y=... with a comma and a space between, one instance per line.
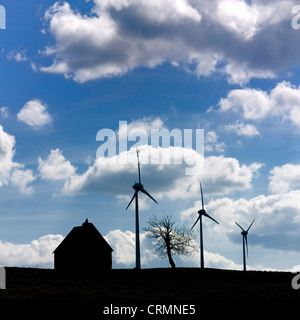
x=55, y=167
x=123, y=244
x=34, y=67
x=10, y=171
x=246, y=20
x=34, y=114
x=162, y=11
x=140, y=127
x=231, y=37
x=169, y=164
x=255, y=104
x=7, y=143
x=242, y=129
x=277, y=219
x=105, y=57
x=109, y=175
x=21, y=178
x=37, y=253
x=4, y=112
x=19, y=56
x=221, y=175
x=284, y=178
x=241, y=72
x=282, y=101
x=212, y=143
x=216, y=260
x=224, y=175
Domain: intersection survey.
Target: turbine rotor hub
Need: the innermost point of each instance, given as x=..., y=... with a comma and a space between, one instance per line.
x=202, y=211
x=137, y=186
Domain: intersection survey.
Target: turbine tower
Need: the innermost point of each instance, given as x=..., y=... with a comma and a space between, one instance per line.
x=138, y=187
x=201, y=213
x=244, y=233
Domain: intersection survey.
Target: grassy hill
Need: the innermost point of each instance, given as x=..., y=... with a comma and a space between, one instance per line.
x=126, y=286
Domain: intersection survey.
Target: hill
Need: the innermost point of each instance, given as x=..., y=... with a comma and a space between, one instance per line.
x=145, y=287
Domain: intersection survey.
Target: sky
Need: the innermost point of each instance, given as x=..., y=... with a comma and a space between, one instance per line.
x=227, y=68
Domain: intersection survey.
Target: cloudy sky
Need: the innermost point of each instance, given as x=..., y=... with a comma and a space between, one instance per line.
x=228, y=67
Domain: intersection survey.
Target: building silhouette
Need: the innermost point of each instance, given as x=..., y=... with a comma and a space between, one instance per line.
x=83, y=251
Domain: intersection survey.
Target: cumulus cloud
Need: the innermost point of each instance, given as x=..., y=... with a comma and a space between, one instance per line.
x=7, y=152
x=224, y=175
x=212, y=142
x=21, y=178
x=236, y=38
x=163, y=178
x=110, y=52
x=246, y=20
x=36, y=253
x=277, y=219
x=123, y=244
x=282, y=101
x=284, y=178
x=216, y=260
x=39, y=253
x=124, y=254
x=12, y=172
x=164, y=169
x=242, y=129
x=109, y=175
x=55, y=167
x=34, y=114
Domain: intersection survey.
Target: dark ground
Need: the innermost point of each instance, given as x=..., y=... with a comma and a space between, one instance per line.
x=32, y=288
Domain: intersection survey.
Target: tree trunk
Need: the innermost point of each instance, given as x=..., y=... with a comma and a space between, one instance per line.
x=172, y=263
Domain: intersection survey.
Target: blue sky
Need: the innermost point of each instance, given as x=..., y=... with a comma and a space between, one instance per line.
x=70, y=69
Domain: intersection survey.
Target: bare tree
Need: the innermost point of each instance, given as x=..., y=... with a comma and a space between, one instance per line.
x=170, y=239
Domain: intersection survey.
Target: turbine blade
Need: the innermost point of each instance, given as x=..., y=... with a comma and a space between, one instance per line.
x=139, y=169
x=195, y=223
x=202, y=196
x=239, y=226
x=208, y=216
x=245, y=237
x=250, y=225
x=148, y=194
x=131, y=200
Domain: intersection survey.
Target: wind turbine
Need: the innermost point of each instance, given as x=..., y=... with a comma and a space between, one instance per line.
x=244, y=233
x=138, y=187
x=201, y=213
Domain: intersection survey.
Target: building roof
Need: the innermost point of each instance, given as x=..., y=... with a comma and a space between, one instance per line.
x=86, y=233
